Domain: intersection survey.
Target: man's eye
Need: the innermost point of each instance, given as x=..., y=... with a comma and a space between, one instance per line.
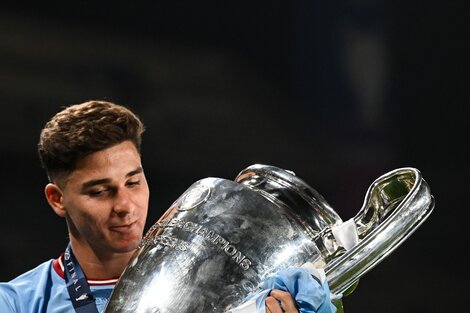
x=97, y=193
x=133, y=183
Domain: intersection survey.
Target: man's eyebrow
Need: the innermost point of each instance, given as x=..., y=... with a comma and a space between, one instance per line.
x=101, y=181
x=95, y=182
x=135, y=172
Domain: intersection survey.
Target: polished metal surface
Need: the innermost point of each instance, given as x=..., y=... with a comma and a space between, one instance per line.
x=395, y=205
x=221, y=238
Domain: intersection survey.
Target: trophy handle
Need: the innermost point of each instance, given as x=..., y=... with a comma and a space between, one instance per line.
x=395, y=205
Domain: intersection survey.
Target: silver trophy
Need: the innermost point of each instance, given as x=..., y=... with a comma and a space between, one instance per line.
x=221, y=238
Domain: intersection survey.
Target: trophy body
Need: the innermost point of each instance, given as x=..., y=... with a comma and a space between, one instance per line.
x=221, y=238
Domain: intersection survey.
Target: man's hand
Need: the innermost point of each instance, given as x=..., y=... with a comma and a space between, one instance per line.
x=291, y=290
x=280, y=301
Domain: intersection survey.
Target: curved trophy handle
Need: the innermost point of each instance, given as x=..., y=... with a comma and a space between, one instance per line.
x=396, y=204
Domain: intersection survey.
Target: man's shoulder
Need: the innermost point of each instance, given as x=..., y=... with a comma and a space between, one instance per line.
x=25, y=286
x=42, y=270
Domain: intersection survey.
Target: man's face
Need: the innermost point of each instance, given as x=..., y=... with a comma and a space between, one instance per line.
x=106, y=199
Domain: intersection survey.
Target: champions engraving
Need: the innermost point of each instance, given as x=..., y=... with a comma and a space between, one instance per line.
x=171, y=242
x=209, y=235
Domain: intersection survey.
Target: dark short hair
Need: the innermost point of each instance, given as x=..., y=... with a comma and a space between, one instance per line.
x=81, y=129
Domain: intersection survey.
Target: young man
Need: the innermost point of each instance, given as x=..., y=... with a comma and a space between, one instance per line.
x=91, y=154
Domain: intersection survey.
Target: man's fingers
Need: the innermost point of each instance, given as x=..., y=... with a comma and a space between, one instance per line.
x=285, y=301
x=272, y=305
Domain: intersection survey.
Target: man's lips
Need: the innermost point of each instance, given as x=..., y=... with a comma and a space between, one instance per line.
x=123, y=227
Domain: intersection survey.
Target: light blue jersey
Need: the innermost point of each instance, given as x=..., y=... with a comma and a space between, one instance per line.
x=43, y=290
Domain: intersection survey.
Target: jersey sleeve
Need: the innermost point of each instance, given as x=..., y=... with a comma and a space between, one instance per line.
x=7, y=299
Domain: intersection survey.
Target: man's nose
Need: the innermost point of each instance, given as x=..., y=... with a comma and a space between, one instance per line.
x=123, y=203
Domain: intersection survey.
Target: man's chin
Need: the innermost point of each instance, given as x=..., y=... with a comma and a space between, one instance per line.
x=127, y=247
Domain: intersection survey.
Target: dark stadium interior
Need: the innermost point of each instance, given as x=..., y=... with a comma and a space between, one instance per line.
x=338, y=92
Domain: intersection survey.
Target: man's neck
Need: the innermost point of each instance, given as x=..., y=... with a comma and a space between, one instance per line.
x=98, y=265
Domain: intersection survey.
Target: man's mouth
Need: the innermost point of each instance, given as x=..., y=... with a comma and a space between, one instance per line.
x=122, y=228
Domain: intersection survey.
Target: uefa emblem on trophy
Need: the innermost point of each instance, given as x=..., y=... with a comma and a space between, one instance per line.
x=222, y=238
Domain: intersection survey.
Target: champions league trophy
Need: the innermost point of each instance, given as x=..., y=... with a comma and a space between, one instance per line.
x=221, y=238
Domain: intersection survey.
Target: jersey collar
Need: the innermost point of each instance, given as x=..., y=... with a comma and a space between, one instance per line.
x=58, y=265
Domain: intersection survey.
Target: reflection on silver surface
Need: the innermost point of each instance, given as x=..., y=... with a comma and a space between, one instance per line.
x=396, y=204
x=221, y=238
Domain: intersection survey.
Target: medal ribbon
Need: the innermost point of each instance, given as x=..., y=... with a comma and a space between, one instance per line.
x=77, y=285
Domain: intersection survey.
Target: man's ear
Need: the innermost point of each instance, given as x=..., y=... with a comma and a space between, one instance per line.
x=55, y=198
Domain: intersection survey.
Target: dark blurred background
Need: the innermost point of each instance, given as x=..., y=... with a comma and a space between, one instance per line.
x=339, y=92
